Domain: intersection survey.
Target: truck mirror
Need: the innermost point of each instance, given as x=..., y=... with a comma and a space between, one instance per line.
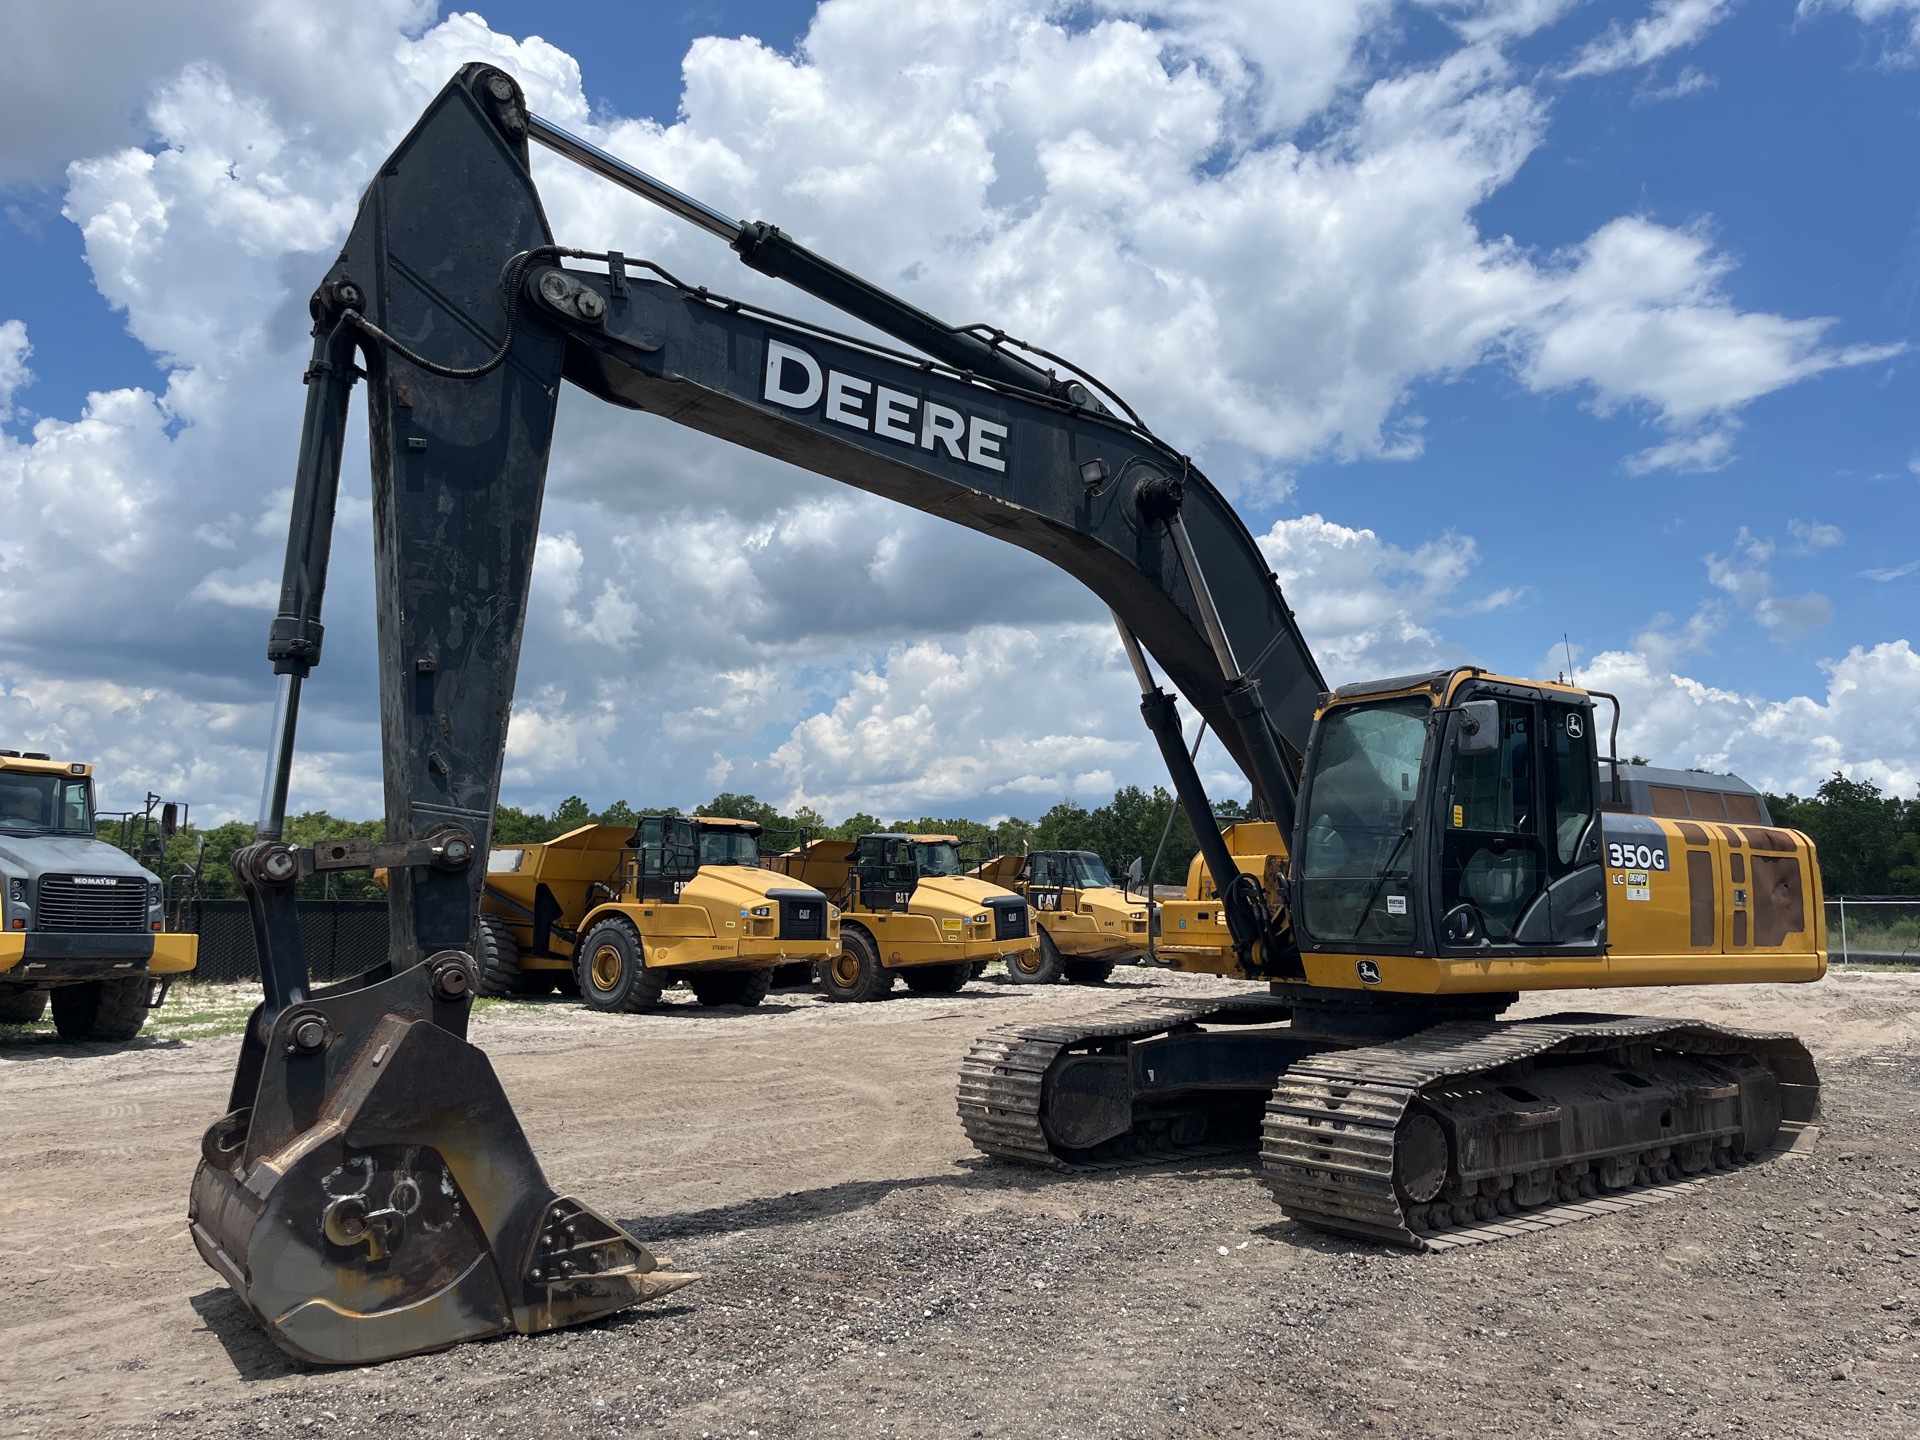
x=1479, y=727
x=1136, y=872
x=169, y=820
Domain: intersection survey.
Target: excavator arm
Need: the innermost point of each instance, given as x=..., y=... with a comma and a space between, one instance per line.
x=369, y=1192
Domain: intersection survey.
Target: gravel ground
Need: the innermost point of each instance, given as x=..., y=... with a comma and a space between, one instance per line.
x=865, y=1275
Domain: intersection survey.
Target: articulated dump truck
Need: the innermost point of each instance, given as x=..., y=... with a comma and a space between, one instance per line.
x=1086, y=923
x=622, y=913
x=907, y=910
x=80, y=920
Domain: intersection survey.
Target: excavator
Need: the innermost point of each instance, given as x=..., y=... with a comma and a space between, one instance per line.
x=1429, y=847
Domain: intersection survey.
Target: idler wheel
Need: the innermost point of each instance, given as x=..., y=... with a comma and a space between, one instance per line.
x=1419, y=1158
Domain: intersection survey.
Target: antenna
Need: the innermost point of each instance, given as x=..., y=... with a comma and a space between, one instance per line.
x=1569, y=644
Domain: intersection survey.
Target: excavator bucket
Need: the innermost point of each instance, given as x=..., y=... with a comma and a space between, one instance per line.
x=370, y=1193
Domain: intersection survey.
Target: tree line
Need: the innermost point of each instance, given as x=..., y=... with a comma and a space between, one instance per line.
x=1127, y=827
x=1868, y=841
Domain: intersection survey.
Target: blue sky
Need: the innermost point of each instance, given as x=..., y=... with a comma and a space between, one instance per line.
x=1502, y=320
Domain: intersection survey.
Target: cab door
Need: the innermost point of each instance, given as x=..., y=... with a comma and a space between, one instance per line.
x=1519, y=851
x=1046, y=882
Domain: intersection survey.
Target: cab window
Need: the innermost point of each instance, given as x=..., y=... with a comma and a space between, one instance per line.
x=1492, y=857
x=1570, y=766
x=1356, y=869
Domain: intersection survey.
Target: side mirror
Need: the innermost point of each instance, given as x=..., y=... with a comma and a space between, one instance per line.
x=1136, y=872
x=1479, y=727
x=169, y=820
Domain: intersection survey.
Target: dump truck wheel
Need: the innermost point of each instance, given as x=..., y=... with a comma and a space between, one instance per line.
x=499, y=959
x=1088, y=972
x=610, y=966
x=979, y=968
x=855, y=973
x=938, y=979
x=786, y=977
x=731, y=987
x=1041, y=965
x=101, y=1009
x=22, y=1008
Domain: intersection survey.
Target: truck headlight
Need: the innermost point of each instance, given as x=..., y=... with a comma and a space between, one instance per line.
x=761, y=912
x=982, y=918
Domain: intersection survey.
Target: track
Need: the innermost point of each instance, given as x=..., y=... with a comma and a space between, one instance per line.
x=1336, y=1124
x=1001, y=1079
x=1335, y=1130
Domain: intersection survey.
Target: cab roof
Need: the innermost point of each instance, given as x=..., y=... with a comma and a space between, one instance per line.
x=727, y=822
x=1439, y=684
x=38, y=762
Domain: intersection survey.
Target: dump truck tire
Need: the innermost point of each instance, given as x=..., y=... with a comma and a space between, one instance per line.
x=1041, y=965
x=101, y=1009
x=855, y=974
x=22, y=1008
x=786, y=977
x=746, y=988
x=611, y=966
x=938, y=979
x=499, y=959
x=1088, y=972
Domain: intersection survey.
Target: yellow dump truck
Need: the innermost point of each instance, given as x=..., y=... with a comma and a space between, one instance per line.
x=907, y=910
x=623, y=912
x=1087, y=924
x=80, y=920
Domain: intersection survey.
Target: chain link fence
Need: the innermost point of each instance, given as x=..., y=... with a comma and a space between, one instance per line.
x=1874, y=929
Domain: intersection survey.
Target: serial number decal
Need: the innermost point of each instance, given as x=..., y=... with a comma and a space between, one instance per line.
x=795, y=380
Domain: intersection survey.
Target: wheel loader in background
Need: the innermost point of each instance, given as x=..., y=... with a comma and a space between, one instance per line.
x=81, y=921
x=907, y=910
x=621, y=913
x=1085, y=924
x=1441, y=842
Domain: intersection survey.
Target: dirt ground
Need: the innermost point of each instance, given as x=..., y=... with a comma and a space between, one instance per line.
x=867, y=1275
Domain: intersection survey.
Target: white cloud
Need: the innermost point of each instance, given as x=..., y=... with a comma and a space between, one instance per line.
x=1285, y=208
x=1499, y=20
x=1751, y=588
x=1639, y=316
x=1698, y=453
x=1671, y=25
x=222, y=589
x=934, y=730
x=1365, y=606
x=1690, y=81
x=1813, y=535
x=1867, y=724
x=14, y=374
x=1892, y=572
x=1897, y=20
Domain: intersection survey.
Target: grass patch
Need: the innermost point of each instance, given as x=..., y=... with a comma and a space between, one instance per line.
x=192, y=1012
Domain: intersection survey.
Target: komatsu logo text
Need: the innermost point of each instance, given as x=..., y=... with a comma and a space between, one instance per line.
x=797, y=381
